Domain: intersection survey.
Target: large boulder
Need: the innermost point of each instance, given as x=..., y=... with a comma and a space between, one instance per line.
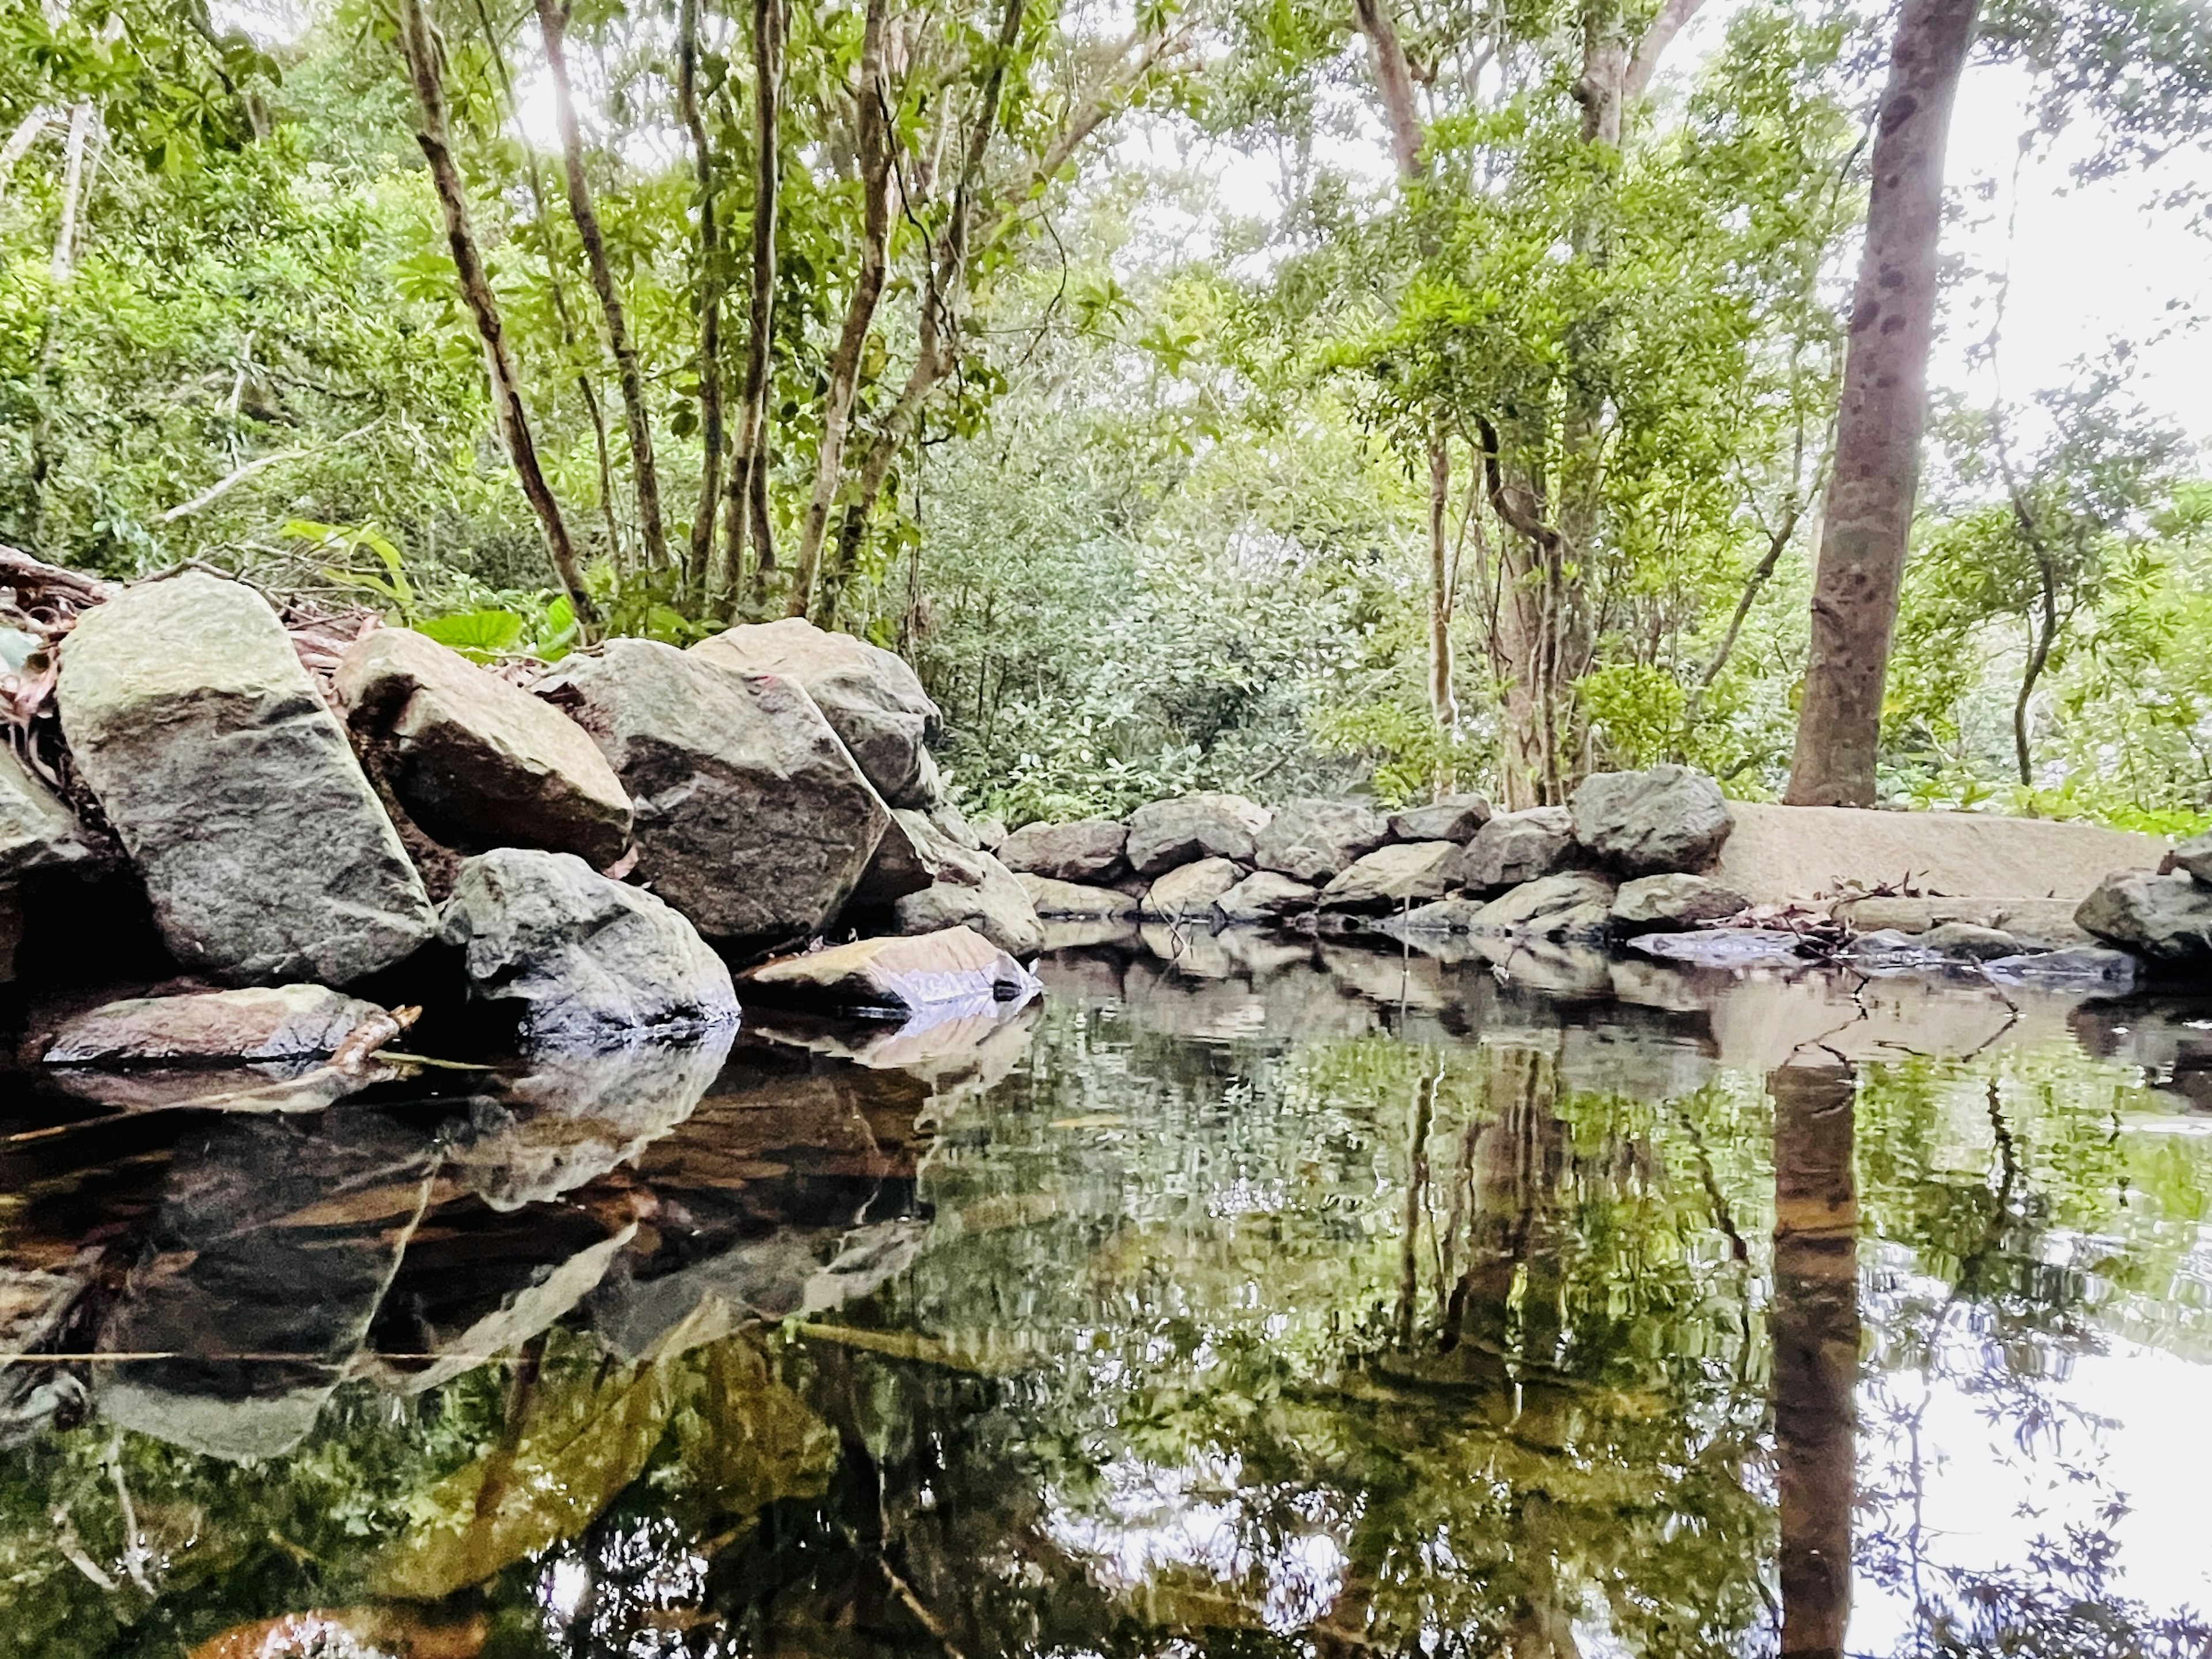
x=1089, y=849
x=1267, y=895
x=1211, y=825
x=870, y=698
x=1454, y=818
x=1187, y=893
x=1314, y=841
x=37, y=832
x=975, y=890
x=1572, y=904
x=475, y=762
x=904, y=861
x=1516, y=847
x=1670, y=817
x=281, y=1022
x=1075, y=901
x=751, y=817
x=590, y=961
x=1405, y=873
x=2166, y=918
x=1674, y=901
x=952, y=970
x=232, y=788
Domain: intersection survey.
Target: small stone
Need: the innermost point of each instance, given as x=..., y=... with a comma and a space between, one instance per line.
x=1188, y=893
x=1072, y=900
x=2193, y=857
x=1316, y=841
x=1456, y=817
x=1669, y=818
x=952, y=970
x=1964, y=939
x=286, y=1022
x=1266, y=896
x=1516, y=847
x=591, y=962
x=1404, y=872
x=1189, y=827
x=1674, y=902
x=2166, y=918
x=1574, y=904
x=1089, y=849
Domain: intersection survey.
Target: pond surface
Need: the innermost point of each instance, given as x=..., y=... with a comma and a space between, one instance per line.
x=1239, y=1297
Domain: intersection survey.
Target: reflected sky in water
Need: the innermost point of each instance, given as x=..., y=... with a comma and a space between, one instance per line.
x=1244, y=1296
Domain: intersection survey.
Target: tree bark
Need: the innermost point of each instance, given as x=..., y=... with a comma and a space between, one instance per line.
x=745, y=498
x=553, y=20
x=874, y=148
x=1394, y=80
x=420, y=49
x=701, y=554
x=1814, y=1327
x=2040, y=641
x=1441, y=701
x=1869, y=519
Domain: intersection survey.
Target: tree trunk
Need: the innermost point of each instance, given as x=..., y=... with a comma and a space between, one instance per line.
x=702, y=550
x=1814, y=1326
x=745, y=497
x=420, y=47
x=80, y=153
x=2039, y=640
x=874, y=146
x=1394, y=80
x=553, y=19
x=1868, y=519
x=1442, y=702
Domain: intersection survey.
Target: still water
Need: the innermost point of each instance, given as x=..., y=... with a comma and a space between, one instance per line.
x=1238, y=1296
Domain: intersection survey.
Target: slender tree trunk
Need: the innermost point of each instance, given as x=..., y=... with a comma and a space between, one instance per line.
x=553, y=20
x=1441, y=701
x=1394, y=80
x=2040, y=641
x=28, y=132
x=875, y=166
x=80, y=155
x=710, y=311
x=1814, y=1326
x=745, y=497
x=1885, y=404
x=420, y=47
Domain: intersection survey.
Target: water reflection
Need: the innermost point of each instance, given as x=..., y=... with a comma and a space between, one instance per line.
x=1250, y=1295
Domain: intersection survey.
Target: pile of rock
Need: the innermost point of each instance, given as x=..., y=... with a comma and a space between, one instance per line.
x=1623, y=856
x=591, y=845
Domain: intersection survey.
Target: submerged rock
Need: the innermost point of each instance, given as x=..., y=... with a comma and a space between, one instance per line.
x=1314, y=841
x=1189, y=827
x=1966, y=942
x=2166, y=918
x=1087, y=850
x=2080, y=967
x=1072, y=900
x=232, y=788
x=1435, y=920
x=870, y=698
x=1670, y=817
x=954, y=970
x=37, y=832
x=477, y=762
x=1574, y=904
x=1673, y=901
x=1405, y=873
x=751, y=817
x=288, y=1022
x=591, y=961
x=1514, y=847
x=1188, y=893
x=1267, y=895
x=1454, y=818
x=1725, y=947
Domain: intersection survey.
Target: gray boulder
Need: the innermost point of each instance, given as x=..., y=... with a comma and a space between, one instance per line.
x=973, y=890
x=1210, y=825
x=1316, y=841
x=1516, y=847
x=904, y=861
x=591, y=962
x=751, y=817
x=232, y=790
x=37, y=832
x=474, y=761
x=1075, y=901
x=1456, y=817
x=1187, y=892
x=1967, y=942
x=1573, y=904
x=1674, y=901
x=282, y=1022
x=2167, y=919
x=1089, y=849
x=1404, y=872
x=1266, y=896
x=871, y=699
x=1670, y=817
x=2193, y=857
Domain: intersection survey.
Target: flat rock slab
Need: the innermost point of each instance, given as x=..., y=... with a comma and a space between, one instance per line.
x=870, y=698
x=475, y=762
x=954, y=969
x=264, y=851
x=1724, y=947
x=1781, y=853
x=590, y=961
x=751, y=817
x=288, y=1022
